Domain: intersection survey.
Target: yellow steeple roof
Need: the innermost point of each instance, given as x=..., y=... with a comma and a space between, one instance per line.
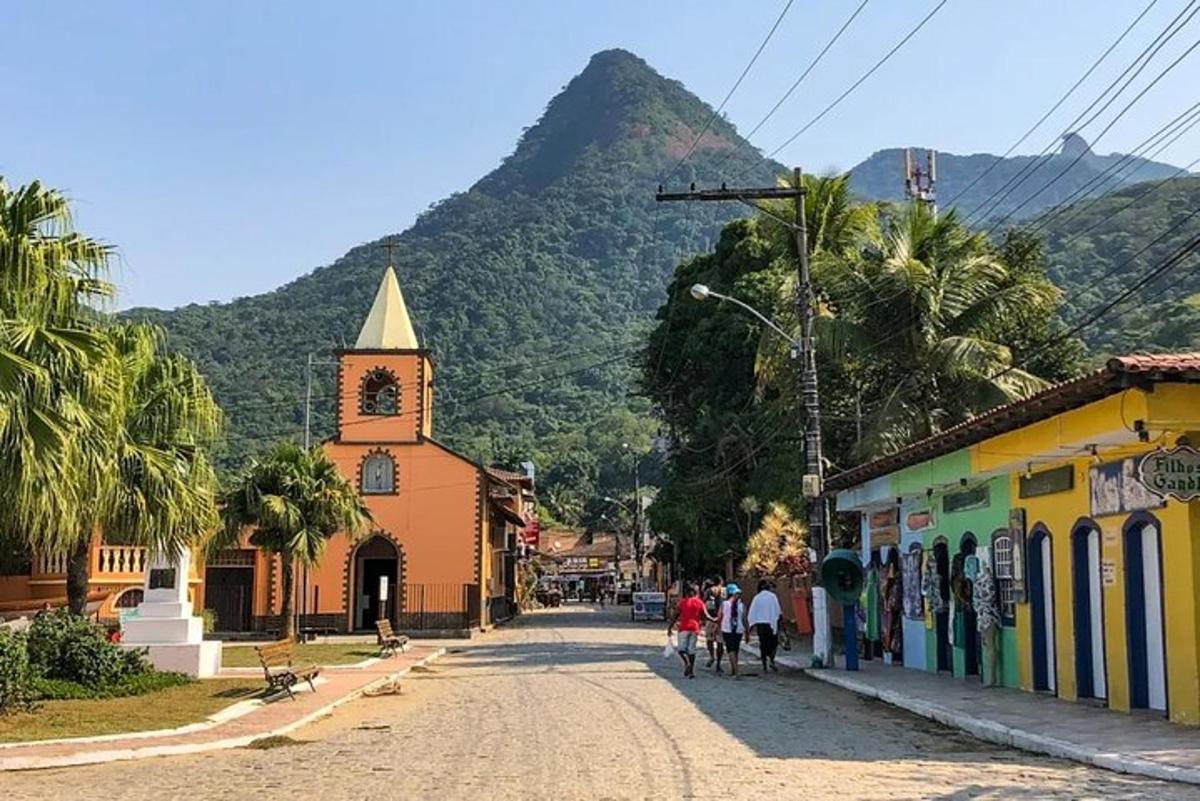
x=388, y=326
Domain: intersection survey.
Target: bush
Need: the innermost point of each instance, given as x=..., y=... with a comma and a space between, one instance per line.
x=68, y=647
x=62, y=690
x=15, y=676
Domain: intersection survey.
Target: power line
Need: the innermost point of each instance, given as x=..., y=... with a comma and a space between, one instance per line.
x=862, y=78
x=811, y=65
x=1056, y=106
x=993, y=201
x=717, y=111
x=1100, y=136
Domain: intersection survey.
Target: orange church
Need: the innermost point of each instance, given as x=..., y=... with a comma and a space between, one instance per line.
x=442, y=552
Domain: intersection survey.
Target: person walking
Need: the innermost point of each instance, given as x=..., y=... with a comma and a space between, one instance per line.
x=764, y=618
x=688, y=615
x=733, y=625
x=714, y=595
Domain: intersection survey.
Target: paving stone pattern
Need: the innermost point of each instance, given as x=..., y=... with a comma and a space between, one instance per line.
x=575, y=703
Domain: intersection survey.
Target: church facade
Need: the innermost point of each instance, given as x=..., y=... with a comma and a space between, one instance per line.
x=441, y=552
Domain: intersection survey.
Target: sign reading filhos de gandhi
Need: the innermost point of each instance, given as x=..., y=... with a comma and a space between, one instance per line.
x=1174, y=472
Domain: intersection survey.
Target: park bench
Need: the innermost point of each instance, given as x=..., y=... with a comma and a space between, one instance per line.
x=280, y=673
x=389, y=640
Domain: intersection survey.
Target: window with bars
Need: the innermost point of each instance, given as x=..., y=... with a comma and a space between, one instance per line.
x=1002, y=560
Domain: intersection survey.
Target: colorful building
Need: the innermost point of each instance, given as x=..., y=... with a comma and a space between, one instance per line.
x=442, y=550
x=1080, y=501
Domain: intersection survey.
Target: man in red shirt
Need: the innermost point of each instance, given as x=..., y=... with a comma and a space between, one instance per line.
x=688, y=617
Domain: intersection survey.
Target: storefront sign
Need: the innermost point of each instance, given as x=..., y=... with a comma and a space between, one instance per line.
x=885, y=518
x=1108, y=572
x=1016, y=530
x=532, y=533
x=1174, y=472
x=885, y=536
x=1115, y=489
x=919, y=521
x=967, y=499
x=649, y=605
x=1047, y=482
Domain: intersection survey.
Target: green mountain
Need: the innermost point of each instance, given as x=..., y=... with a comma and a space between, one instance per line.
x=1097, y=248
x=533, y=287
x=881, y=177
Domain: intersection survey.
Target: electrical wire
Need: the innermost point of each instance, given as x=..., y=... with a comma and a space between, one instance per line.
x=795, y=85
x=717, y=111
x=861, y=79
x=1056, y=106
x=1139, y=63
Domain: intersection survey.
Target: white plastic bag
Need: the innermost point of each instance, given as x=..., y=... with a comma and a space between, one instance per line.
x=670, y=648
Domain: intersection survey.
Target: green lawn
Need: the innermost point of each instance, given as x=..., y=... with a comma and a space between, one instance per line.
x=164, y=709
x=305, y=653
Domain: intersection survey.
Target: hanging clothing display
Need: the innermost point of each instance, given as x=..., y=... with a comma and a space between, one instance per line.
x=931, y=591
x=872, y=605
x=987, y=617
x=892, y=596
x=913, y=579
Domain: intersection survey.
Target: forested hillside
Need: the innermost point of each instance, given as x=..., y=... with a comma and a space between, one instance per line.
x=1099, y=247
x=552, y=265
x=1001, y=189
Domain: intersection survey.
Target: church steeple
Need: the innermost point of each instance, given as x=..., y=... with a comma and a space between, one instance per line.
x=388, y=326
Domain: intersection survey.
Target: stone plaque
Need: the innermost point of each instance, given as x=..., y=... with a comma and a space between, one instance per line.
x=162, y=578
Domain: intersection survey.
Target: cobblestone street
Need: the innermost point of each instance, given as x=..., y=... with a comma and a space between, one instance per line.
x=575, y=703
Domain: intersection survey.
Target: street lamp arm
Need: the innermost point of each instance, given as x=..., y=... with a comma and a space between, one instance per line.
x=765, y=320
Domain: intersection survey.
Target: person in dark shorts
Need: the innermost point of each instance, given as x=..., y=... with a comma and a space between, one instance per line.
x=764, y=618
x=714, y=594
x=733, y=625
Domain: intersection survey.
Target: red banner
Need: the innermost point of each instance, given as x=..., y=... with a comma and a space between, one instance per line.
x=532, y=532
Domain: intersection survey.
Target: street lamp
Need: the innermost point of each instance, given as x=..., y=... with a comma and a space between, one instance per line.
x=822, y=634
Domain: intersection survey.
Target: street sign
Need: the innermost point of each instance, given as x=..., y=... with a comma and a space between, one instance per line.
x=1174, y=472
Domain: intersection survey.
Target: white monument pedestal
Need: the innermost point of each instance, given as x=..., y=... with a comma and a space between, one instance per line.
x=164, y=623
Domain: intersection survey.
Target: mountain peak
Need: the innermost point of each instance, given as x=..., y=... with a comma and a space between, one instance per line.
x=617, y=100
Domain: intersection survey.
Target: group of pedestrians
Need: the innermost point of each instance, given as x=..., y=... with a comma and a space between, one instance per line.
x=718, y=610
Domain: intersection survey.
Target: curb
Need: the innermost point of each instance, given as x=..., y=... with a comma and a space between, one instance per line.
x=123, y=754
x=991, y=731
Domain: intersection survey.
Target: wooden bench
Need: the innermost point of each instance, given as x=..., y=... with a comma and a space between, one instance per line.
x=389, y=640
x=281, y=674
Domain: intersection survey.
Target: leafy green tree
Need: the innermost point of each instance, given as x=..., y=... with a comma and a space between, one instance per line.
x=51, y=348
x=291, y=502
x=146, y=479
x=914, y=317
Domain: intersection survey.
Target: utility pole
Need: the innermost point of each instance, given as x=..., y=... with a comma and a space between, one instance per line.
x=805, y=300
x=920, y=185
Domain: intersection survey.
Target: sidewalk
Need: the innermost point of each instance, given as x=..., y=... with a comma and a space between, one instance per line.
x=1093, y=735
x=231, y=728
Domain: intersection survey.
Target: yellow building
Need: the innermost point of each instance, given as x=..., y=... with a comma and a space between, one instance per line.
x=1090, y=487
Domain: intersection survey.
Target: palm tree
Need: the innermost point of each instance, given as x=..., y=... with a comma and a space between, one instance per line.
x=146, y=479
x=291, y=502
x=51, y=279
x=912, y=316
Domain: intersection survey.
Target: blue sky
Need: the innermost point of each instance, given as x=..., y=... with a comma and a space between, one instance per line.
x=228, y=147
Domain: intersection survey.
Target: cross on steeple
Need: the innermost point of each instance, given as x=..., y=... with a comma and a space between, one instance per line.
x=389, y=245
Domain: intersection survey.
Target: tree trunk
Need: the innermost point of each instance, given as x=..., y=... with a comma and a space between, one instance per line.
x=77, y=576
x=288, y=589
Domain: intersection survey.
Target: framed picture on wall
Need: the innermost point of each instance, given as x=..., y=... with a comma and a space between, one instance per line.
x=1016, y=530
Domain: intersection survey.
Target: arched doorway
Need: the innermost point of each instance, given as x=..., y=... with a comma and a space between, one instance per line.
x=941, y=618
x=1144, y=615
x=1088, y=612
x=1041, y=609
x=376, y=560
x=965, y=599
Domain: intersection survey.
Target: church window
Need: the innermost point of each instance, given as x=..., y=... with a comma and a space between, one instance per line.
x=378, y=474
x=380, y=393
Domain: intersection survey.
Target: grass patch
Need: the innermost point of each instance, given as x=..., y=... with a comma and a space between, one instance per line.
x=304, y=653
x=274, y=741
x=163, y=709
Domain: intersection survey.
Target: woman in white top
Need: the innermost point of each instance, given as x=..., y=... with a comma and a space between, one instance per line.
x=764, y=617
x=733, y=624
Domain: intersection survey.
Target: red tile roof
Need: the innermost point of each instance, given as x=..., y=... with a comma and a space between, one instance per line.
x=1118, y=373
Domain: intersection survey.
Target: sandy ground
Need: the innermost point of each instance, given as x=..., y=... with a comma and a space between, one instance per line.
x=575, y=703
